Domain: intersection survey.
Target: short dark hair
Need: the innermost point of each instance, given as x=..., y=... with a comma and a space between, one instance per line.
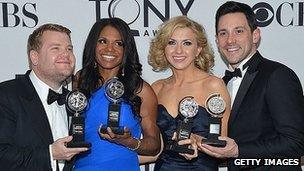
x=236, y=7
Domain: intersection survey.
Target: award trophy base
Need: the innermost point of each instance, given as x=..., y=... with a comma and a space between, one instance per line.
x=77, y=131
x=75, y=144
x=173, y=146
x=113, y=120
x=183, y=132
x=184, y=129
x=214, y=133
x=215, y=106
x=214, y=141
x=116, y=130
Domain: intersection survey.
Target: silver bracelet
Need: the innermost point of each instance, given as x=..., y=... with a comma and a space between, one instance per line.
x=137, y=146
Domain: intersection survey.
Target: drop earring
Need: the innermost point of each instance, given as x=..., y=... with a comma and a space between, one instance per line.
x=123, y=72
x=95, y=65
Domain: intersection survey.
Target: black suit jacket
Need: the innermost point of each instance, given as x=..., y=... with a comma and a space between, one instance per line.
x=25, y=133
x=267, y=116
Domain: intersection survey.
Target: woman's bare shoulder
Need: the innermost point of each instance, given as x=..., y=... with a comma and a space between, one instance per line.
x=158, y=85
x=213, y=83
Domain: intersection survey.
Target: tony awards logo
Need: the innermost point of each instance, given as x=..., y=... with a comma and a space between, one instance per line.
x=76, y=103
x=114, y=90
x=215, y=106
x=188, y=108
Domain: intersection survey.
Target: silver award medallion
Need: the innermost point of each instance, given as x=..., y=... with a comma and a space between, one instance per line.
x=114, y=89
x=76, y=101
x=188, y=107
x=215, y=105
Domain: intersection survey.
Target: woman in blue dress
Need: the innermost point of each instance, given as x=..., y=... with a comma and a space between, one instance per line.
x=109, y=52
x=181, y=45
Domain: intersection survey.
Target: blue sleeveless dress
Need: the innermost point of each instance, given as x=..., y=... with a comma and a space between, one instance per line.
x=103, y=154
x=169, y=160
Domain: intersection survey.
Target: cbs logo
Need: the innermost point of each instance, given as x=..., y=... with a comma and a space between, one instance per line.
x=286, y=14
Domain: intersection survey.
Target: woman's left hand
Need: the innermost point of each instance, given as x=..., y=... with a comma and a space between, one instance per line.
x=191, y=142
x=117, y=138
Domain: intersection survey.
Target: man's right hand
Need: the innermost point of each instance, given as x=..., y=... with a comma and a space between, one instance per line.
x=231, y=149
x=61, y=152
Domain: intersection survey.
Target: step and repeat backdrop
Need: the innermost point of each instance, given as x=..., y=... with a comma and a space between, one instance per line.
x=281, y=23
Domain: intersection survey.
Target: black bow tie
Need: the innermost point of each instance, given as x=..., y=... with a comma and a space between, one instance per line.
x=229, y=75
x=53, y=96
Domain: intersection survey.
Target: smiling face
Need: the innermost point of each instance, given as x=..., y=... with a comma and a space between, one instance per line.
x=234, y=38
x=182, y=48
x=54, y=61
x=109, y=49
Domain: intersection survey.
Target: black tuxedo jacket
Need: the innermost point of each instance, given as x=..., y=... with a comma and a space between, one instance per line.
x=25, y=133
x=267, y=116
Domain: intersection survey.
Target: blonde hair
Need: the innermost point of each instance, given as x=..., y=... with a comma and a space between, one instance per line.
x=157, y=59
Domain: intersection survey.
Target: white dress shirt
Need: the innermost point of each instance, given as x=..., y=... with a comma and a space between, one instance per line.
x=234, y=84
x=56, y=114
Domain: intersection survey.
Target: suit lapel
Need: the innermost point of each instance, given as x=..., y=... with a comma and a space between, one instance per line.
x=245, y=84
x=34, y=108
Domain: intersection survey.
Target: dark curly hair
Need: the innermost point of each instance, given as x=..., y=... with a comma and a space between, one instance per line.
x=89, y=77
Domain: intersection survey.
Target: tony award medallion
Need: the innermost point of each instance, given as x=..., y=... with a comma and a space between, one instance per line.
x=188, y=108
x=215, y=106
x=114, y=90
x=76, y=103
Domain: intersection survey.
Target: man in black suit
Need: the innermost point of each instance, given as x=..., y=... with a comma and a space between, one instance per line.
x=34, y=129
x=267, y=116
